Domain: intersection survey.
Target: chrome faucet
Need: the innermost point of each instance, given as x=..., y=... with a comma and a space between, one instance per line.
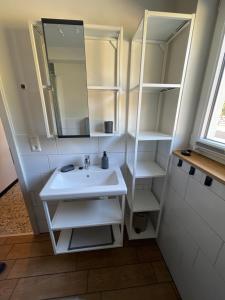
x=87, y=162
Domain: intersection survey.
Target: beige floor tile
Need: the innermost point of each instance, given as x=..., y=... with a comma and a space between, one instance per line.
x=161, y=271
x=6, y=288
x=4, y=250
x=51, y=286
x=9, y=265
x=120, y=277
x=149, y=253
x=152, y=292
x=30, y=250
x=43, y=265
x=106, y=258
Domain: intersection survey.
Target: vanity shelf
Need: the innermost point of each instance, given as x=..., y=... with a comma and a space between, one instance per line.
x=62, y=245
x=86, y=213
x=146, y=169
x=144, y=200
x=103, y=88
x=151, y=136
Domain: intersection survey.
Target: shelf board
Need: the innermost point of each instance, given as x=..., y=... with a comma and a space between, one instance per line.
x=144, y=200
x=65, y=236
x=147, y=169
x=85, y=213
x=103, y=134
x=103, y=88
x=151, y=136
x=147, y=234
x=160, y=87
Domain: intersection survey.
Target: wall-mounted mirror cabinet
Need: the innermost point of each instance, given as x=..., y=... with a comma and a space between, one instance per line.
x=78, y=101
x=62, y=52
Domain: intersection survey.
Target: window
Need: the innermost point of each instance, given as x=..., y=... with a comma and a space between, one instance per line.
x=214, y=129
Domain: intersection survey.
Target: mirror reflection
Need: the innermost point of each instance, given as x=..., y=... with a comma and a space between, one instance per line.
x=65, y=47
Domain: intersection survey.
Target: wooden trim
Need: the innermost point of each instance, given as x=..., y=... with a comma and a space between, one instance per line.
x=205, y=164
x=8, y=188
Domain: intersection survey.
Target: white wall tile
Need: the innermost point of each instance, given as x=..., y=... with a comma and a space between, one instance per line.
x=204, y=236
x=77, y=145
x=208, y=205
x=178, y=180
x=112, y=144
x=220, y=263
x=57, y=161
x=48, y=146
x=164, y=147
x=147, y=146
x=36, y=180
x=207, y=284
x=37, y=163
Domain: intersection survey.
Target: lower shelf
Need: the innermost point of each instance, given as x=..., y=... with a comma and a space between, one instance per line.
x=65, y=236
x=144, y=200
x=147, y=234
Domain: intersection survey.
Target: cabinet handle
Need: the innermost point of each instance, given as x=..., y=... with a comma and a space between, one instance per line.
x=180, y=163
x=192, y=171
x=208, y=181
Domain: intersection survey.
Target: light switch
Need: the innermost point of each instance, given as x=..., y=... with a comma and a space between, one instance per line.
x=35, y=144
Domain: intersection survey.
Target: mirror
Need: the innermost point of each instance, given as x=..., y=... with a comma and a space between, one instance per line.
x=65, y=49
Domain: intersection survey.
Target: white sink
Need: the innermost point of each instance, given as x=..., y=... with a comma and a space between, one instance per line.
x=93, y=182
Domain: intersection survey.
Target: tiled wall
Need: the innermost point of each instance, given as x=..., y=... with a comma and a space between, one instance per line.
x=192, y=235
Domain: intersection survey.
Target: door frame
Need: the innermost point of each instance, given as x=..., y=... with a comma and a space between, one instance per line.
x=11, y=139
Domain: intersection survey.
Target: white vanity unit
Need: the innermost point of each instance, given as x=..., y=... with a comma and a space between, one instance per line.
x=159, y=58
x=90, y=207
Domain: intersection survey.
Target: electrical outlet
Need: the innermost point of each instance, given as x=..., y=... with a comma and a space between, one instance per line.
x=35, y=144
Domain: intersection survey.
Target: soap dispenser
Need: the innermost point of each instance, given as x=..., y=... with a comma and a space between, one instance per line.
x=105, y=161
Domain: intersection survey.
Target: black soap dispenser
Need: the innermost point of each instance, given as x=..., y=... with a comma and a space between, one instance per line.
x=105, y=161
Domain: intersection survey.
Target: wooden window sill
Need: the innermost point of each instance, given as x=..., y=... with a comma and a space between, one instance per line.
x=205, y=164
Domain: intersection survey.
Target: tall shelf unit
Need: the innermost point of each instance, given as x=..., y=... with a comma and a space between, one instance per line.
x=104, y=76
x=159, y=57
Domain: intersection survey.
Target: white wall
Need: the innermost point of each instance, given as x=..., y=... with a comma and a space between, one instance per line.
x=16, y=67
x=7, y=169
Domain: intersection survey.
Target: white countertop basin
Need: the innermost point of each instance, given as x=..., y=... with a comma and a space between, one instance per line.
x=94, y=182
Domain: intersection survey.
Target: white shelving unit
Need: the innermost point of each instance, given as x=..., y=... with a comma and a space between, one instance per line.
x=159, y=57
x=72, y=215
x=103, y=46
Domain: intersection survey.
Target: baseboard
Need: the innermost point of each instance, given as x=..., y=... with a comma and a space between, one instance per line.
x=8, y=188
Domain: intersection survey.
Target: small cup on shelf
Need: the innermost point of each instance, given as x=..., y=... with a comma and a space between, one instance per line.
x=108, y=126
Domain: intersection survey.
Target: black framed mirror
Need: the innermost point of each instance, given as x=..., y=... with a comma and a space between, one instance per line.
x=65, y=50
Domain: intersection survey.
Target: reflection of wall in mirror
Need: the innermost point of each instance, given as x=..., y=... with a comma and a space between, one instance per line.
x=71, y=89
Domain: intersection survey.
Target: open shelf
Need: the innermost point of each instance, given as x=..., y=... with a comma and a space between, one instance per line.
x=151, y=136
x=160, y=87
x=144, y=200
x=147, y=169
x=86, y=213
x=65, y=236
x=147, y=234
x=103, y=88
x=103, y=134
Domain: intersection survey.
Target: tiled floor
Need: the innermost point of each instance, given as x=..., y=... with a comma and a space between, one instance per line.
x=13, y=217
x=136, y=271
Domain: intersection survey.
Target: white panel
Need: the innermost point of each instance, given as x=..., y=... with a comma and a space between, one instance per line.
x=36, y=180
x=218, y=188
x=208, y=205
